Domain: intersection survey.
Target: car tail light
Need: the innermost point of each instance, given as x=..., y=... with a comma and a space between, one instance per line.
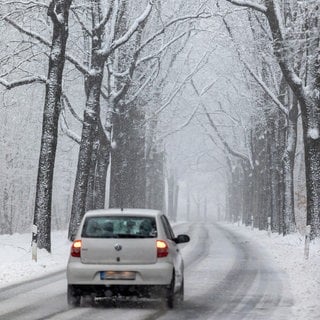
x=162, y=249
x=76, y=248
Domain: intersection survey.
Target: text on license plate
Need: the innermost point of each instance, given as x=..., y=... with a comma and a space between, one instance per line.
x=117, y=275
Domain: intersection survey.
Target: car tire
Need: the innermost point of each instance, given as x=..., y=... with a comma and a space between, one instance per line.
x=73, y=296
x=180, y=294
x=171, y=297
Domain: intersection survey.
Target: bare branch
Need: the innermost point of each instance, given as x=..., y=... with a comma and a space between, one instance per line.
x=65, y=129
x=249, y=4
x=83, y=26
x=45, y=42
x=133, y=28
x=22, y=82
x=152, y=56
x=185, y=124
x=66, y=101
x=149, y=79
x=223, y=141
x=233, y=119
x=161, y=31
x=255, y=76
x=185, y=80
x=106, y=17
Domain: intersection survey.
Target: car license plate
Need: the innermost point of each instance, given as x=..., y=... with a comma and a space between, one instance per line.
x=117, y=275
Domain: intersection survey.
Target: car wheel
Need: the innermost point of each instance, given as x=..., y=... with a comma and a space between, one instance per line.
x=74, y=296
x=170, y=294
x=180, y=294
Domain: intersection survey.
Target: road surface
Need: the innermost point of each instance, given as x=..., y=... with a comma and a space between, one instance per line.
x=227, y=277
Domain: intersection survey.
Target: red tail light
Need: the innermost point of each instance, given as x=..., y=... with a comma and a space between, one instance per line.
x=162, y=249
x=76, y=248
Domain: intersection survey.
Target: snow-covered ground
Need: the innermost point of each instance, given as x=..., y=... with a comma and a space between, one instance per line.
x=16, y=263
x=288, y=253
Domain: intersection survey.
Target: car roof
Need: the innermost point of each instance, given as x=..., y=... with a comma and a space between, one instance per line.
x=124, y=211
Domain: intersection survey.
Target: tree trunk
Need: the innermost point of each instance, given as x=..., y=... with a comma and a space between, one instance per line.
x=312, y=160
x=171, y=190
x=43, y=201
x=128, y=164
x=90, y=123
x=155, y=181
x=175, y=202
x=288, y=171
x=102, y=166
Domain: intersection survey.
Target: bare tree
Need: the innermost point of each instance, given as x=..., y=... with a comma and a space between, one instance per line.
x=58, y=11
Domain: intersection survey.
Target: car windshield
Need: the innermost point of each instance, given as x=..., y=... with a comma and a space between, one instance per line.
x=119, y=227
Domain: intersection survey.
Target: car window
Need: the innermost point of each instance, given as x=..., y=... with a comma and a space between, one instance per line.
x=167, y=228
x=119, y=227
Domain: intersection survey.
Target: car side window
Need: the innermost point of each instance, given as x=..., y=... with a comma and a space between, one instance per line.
x=167, y=228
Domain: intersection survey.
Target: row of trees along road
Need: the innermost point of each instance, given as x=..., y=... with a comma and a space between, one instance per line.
x=121, y=52
x=284, y=63
x=123, y=48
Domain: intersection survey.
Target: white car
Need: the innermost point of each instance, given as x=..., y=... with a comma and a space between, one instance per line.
x=126, y=252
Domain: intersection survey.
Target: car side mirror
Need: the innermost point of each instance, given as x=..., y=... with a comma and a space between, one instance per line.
x=182, y=238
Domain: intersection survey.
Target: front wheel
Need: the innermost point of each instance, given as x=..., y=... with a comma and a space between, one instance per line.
x=73, y=296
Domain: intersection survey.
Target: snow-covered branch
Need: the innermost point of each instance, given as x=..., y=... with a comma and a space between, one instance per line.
x=83, y=26
x=26, y=3
x=45, y=42
x=201, y=15
x=255, y=76
x=113, y=22
x=224, y=142
x=152, y=56
x=272, y=12
x=221, y=138
x=106, y=18
x=133, y=28
x=66, y=101
x=22, y=82
x=185, y=124
x=208, y=87
x=149, y=79
x=65, y=129
x=182, y=84
x=249, y=4
x=233, y=119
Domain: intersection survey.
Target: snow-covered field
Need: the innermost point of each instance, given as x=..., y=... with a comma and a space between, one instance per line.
x=288, y=253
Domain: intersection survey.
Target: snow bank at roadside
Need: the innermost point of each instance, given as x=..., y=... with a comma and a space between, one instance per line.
x=16, y=263
x=288, y=254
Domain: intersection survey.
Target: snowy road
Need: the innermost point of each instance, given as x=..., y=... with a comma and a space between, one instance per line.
x=227, y=277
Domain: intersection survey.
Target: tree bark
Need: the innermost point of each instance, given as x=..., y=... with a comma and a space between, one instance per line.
x=288, y=169
x=59, y=14
x=128, y=164
x=90, y=124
